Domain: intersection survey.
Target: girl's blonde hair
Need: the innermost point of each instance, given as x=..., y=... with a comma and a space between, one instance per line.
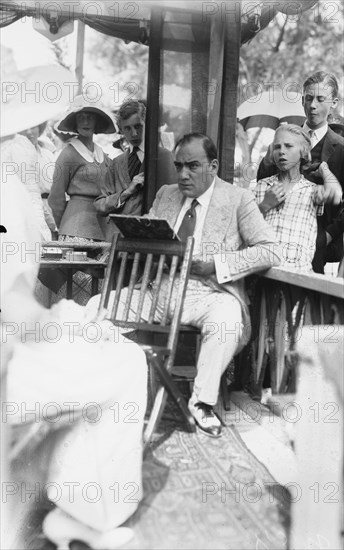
x=305, y=151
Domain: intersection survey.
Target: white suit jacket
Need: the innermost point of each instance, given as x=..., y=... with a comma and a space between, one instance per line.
x=235, y=229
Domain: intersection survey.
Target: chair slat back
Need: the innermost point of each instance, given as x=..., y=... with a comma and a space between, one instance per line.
x=156, y=287
x=144, y=285
x=132, y=282
x=154, y=268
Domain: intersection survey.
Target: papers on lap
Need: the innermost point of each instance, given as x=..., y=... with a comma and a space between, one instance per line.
x=136, y=227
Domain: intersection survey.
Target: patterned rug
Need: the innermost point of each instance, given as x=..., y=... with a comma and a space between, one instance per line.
x=200, y=493
x=205, y=493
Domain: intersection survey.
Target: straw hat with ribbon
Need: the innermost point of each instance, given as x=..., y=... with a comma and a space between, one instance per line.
x=31, y=96
x=104, y=124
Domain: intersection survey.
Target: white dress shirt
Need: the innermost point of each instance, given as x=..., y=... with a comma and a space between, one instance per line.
x=140, y=152
x=317, y=134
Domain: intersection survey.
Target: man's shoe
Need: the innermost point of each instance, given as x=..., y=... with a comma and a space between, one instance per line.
x=205, y=418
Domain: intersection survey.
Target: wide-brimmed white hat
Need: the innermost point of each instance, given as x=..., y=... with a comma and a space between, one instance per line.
x=32, y=96
x=104, y=124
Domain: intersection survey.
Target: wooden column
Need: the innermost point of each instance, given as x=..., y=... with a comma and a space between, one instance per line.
x=199, y=84
x=152, y=118
x=229, y=93
x=199, y=78
x=217, y=39
x=79, y=62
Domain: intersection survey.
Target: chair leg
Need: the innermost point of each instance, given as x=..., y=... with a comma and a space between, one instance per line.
x=156, y=363
x=225, y=393
x=155, y=416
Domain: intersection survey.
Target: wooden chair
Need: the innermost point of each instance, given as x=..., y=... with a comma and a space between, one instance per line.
x=154, y=267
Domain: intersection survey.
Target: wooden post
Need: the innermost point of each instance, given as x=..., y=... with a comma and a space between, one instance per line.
x=199, y=81
x=217, y=39
x=152, y=118
x=79, y=62
x=229, y=93
x=199, y=85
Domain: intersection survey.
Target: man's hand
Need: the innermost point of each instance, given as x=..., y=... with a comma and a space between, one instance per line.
x=136, y=183
x=274, y=196
x=202, y=269
x=331, y=191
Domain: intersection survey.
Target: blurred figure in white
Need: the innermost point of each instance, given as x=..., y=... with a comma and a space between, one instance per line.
x=89, y=397
x=45, y=167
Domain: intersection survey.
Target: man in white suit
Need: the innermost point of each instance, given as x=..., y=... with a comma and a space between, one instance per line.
x=232, y=240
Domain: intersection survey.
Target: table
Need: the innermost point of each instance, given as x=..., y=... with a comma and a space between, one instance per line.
x=90, y=266
x=95, y=268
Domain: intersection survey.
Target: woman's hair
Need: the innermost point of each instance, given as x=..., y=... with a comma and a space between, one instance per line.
x=305, y=142
x=98, y=123
x=323, y=76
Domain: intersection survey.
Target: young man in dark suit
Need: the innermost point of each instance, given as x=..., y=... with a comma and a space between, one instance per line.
x=122, y=192
x=320, y=97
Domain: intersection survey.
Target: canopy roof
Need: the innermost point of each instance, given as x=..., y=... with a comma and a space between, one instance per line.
x=187, y=23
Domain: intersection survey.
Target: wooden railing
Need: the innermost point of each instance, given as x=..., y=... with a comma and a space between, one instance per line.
x=282, y=303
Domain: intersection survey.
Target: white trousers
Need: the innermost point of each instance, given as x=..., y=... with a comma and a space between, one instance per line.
x=219, y=317
x=96, y=392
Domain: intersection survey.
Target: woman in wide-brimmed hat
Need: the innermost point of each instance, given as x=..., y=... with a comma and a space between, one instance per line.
x=80, y=168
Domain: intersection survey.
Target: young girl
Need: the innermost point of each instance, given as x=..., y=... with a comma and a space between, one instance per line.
x=288, y=201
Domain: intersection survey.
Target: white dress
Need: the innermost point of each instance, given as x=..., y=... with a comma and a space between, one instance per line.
x=73, y=376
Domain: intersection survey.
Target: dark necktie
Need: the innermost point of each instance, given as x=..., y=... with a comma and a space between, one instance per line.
x=134, y=163
x=187, y=227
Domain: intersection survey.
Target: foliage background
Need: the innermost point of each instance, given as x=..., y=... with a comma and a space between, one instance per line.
x=286, y=51
x=290, y=48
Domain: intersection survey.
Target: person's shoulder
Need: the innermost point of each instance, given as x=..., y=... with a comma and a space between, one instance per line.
x=119, y=159
x=269, y=181
x=231, y=190
x=168, y=193
x=304, y=182
x=20, y=142
x=168, y=190
x=334, y=137
x=68, y=154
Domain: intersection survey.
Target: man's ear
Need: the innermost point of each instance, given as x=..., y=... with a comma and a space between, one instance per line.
x=215, y=165
x=334, y=102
